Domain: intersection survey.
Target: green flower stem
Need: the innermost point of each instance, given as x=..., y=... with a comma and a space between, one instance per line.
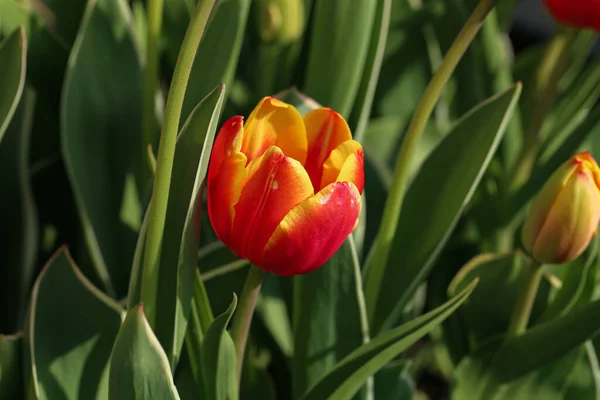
x=522, y=310
x=154, y=26
x=243, y=314
x=552, y=67
x=393, y=205
x=166, y=152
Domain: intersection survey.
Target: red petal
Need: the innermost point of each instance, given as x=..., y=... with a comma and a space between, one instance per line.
x=312, y=231
x=326, y=130
x=274, y=185
x=226, y=174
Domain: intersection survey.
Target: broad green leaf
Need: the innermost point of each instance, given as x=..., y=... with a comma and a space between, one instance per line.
x=346, y=378
x=394, y=383
x=19, y=237
x=474, y=379
x=46, y=52
x=102, y=140
x=326, y=321
x=546, y=342
x=70, y=332
x=219, y=360
x=178, y=258
x=13, y=52
x=501, y=277
x=11, y=380
x=374, y=59
x=434, y=202
x=217, y=56
x=577, y=273
x=139, y=368
x=335, y=68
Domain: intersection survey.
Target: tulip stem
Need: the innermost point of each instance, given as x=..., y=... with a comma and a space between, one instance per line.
x=377, y=260
x=166, y=153
x=524, y=305
x=154, y=26
x=243, y=315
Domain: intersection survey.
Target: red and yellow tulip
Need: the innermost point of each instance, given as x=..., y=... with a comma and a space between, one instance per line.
x=284, y=190
x=576, y=13
x=565, y=215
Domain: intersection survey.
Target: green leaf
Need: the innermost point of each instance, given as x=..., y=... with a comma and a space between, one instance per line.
x=434, y=202
x=19, y=238
x=334, y=69
x=11, y=381
x=13, y=52
x=577, y=274
x=217, y=56
x=370, y=77
x=501, y=278
x=139, y=368
x=70, y=332
x=179, y=248
x=346, y=378
x=219, y=360
x=546, y=342
x=46, y=52
x=474, y=381
x=326, y=322
x=102, y=140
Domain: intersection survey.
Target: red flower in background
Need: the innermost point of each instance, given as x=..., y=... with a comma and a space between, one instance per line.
x=576, y=13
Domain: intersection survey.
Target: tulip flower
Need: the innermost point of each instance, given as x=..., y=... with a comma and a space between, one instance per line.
x=283, y=190
x=576, y=13
x=565, y=215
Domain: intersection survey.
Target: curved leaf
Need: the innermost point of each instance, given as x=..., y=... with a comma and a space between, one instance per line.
x=217, y=56
x=346, y=378
x=13, y=52
x=139, y=368
x=182, y=227
x=219, y=360
x=70, y=332
x=434, y=202
x=546, y=342
x=326, y=319
x=102, y=140
x=19, y=235
x=334, y=67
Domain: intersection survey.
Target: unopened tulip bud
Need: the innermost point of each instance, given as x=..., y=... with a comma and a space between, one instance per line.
x=280, y=21
x=564, y=216
x=576, y=13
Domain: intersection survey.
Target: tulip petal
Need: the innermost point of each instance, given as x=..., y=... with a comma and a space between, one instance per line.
x=325, y=130
x=226, y=173
x=312, y=231
x=577, y=13
x=544, y=202
x=571, y=222
x=275, y=123
x=345, y=164
x=273, y=186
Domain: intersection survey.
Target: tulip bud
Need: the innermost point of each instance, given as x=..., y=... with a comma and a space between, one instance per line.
x=576, y=13
x=284, y=190
x=564, y=216
x=280, y=21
